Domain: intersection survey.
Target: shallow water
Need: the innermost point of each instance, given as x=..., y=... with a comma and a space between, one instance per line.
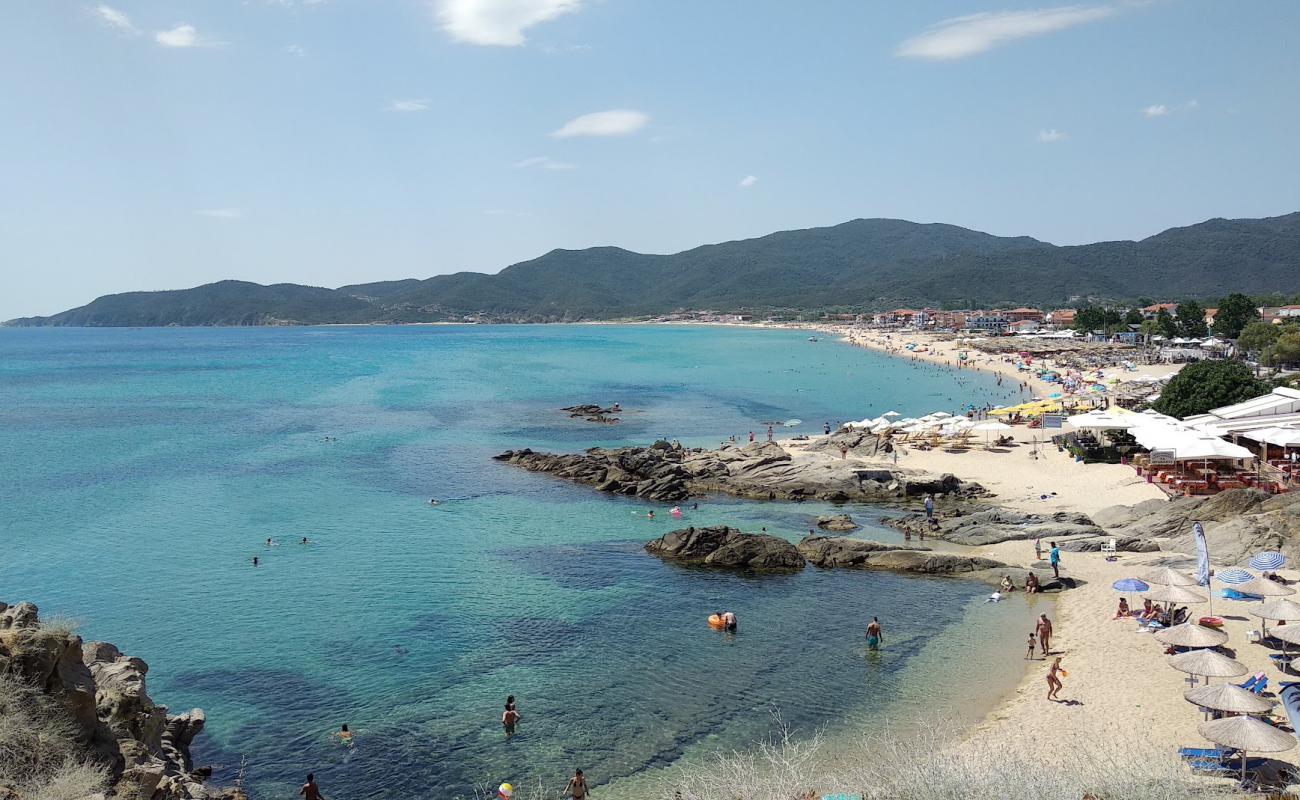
x=143, y=469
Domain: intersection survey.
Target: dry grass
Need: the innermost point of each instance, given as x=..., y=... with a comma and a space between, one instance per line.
x=40, y=756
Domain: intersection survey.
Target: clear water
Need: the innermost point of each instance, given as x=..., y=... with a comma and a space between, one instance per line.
x=143, y=469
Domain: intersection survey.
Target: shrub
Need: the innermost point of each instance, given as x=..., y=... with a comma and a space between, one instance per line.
x=40, y=755
x=1199, y=387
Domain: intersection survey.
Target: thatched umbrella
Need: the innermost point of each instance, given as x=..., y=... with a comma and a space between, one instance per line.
x=1164, y=576
x=1189, y=634
x=1246, y=733
x=1175, y=594
x=1208, y=663
x=1283, y=609
x=1262, y=587
x=1227, y=697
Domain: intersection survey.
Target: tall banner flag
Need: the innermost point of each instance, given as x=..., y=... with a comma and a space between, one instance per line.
x=1203, y=561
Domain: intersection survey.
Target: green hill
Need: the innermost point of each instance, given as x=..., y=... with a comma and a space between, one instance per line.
x=862, y=264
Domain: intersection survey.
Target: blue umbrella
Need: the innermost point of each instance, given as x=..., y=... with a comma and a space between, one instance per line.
x=1234, y=576
x=1130, y=585
x=1268, y=561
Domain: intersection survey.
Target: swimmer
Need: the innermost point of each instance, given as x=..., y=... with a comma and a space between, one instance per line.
x=344, y=735
x=304, y=541
x=269, y=542
x=875, y=636
x=650, y=514
x=508, y=719
x=729, y=622
x=433, y=501
x=255, y=561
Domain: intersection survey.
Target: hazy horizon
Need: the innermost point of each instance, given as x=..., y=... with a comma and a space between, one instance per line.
x=331, y=142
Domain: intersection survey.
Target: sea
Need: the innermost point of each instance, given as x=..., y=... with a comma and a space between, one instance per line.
x=142, y=470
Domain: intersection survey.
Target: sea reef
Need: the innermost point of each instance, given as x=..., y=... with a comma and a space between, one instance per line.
x=722, y=546
x=670, y=473
x=144, y=751
x=594, y=413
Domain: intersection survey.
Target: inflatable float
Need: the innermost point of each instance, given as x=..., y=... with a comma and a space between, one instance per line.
x=716, y=623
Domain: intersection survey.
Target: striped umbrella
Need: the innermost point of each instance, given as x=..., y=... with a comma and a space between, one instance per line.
x=1234, y=576
x=1268, y=560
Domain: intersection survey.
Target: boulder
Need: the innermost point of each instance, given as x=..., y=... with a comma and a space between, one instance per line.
x=841, y=523
x=726, y=547
x=840, y=551
x=994, y=525
x=1123, y=544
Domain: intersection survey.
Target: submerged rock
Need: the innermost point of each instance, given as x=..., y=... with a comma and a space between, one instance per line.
x=722, y=546
x=842, y=523
x=594, y=413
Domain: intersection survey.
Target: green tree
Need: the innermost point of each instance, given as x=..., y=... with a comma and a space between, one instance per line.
x=1133, y=317
x=1199, y=387
x=1168, y=327
x=1236, y=311
x=1191, y=320
x=1286, y=350
x=1258, y=336
x=1089, y=318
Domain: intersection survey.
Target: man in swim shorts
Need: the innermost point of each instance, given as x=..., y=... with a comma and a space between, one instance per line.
x=874, y=634
x=309, y=790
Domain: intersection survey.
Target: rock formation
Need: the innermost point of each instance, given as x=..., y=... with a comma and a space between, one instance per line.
x=994, y=525
x=1238, y=523
x=671, y=473
x=721, y=546
x=840, y=523
x=144, y=751
x=594, y=413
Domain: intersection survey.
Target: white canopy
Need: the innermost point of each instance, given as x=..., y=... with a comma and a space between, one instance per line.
x=1283, y=437
x=1102, y=420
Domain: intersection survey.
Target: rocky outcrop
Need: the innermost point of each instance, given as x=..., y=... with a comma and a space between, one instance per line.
x=841, y=551
x=594, y=413
x=725, y=547
x=671, y=473
x=994, y=525
x=1126, y=544
x=840, y=523
x=145, y=752
x=1238, y=523
x=857, y=442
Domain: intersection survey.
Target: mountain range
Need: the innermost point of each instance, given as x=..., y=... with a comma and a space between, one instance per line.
x=864, y=264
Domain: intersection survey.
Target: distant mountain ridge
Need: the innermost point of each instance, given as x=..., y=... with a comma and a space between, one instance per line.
x=861, y=265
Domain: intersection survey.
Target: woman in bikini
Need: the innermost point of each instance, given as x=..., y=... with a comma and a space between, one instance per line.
x=1054, y=682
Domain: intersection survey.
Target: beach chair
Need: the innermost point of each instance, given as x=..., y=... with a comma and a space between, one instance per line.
x=1249, y=685
x=1108, y=546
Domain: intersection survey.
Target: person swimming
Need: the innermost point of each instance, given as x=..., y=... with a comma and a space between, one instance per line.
x=650, y=514
x=433, y=501
x=343, y=735
x=304, y=541
x=729, y=622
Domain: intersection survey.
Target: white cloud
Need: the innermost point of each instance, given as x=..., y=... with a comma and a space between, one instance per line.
x=960, y=37
x=295, y=50
x=544, y=162
x=1049, y=135
x=408, y=106
x=603, y=123
x=747, y=181
x=1158, y=110
x=180, y=36
x=111, y=16
x=220, y=213
x=497, y=22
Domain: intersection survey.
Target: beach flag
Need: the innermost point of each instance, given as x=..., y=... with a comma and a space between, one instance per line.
x=1202, y=560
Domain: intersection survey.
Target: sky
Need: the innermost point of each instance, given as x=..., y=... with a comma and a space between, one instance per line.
x=161, y=145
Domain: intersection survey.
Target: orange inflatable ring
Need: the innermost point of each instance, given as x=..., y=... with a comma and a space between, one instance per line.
x=716, y=622
x=1211, y=622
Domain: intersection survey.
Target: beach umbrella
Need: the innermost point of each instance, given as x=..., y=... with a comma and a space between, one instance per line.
x=1283, y=609
x=1246, y=733
x=1130, y=585
x=1267, y=560
x=1168, y=577
x=891, y=415
x=1189, y=634
x=1174, y=594
x=1234, y=576
x=1263, y=587
x=1209, y=663
x=989, y=426
x=1227, y=697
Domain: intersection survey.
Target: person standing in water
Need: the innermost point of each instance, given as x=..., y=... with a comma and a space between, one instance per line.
x=769, y=433
x=508, y=719
x=309, y=790
x=875, y=636
x=255, y=561
x=576, y=787
x=729, y=622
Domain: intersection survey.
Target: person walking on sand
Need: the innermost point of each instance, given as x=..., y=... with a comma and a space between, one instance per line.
x=875, y=636
x=309, y=790
x=1044, y=628
x=1029, y=656
x=1053, y=681
x=576, y=787
x=1054, y=556
x=1038, y=548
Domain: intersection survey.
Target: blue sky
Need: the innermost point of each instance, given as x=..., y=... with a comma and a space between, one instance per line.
x=152, y=145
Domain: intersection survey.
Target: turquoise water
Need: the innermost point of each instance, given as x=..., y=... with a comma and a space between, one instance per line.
x=143, y=469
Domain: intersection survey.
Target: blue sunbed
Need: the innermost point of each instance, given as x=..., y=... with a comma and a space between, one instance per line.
x=1249, y=685
x=1233, y=594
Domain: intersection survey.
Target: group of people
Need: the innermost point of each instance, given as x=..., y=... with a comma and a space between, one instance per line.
x=270, y=542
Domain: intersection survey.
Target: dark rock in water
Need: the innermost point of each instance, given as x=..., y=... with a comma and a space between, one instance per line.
x=594, y=413
x=722, y=546
x=840, y=551
x=841, y=523
x=668, y=472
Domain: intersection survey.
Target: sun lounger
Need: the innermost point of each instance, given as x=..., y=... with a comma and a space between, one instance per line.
x=1218, y=753
x=1249, y=685
x=1228, y=767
